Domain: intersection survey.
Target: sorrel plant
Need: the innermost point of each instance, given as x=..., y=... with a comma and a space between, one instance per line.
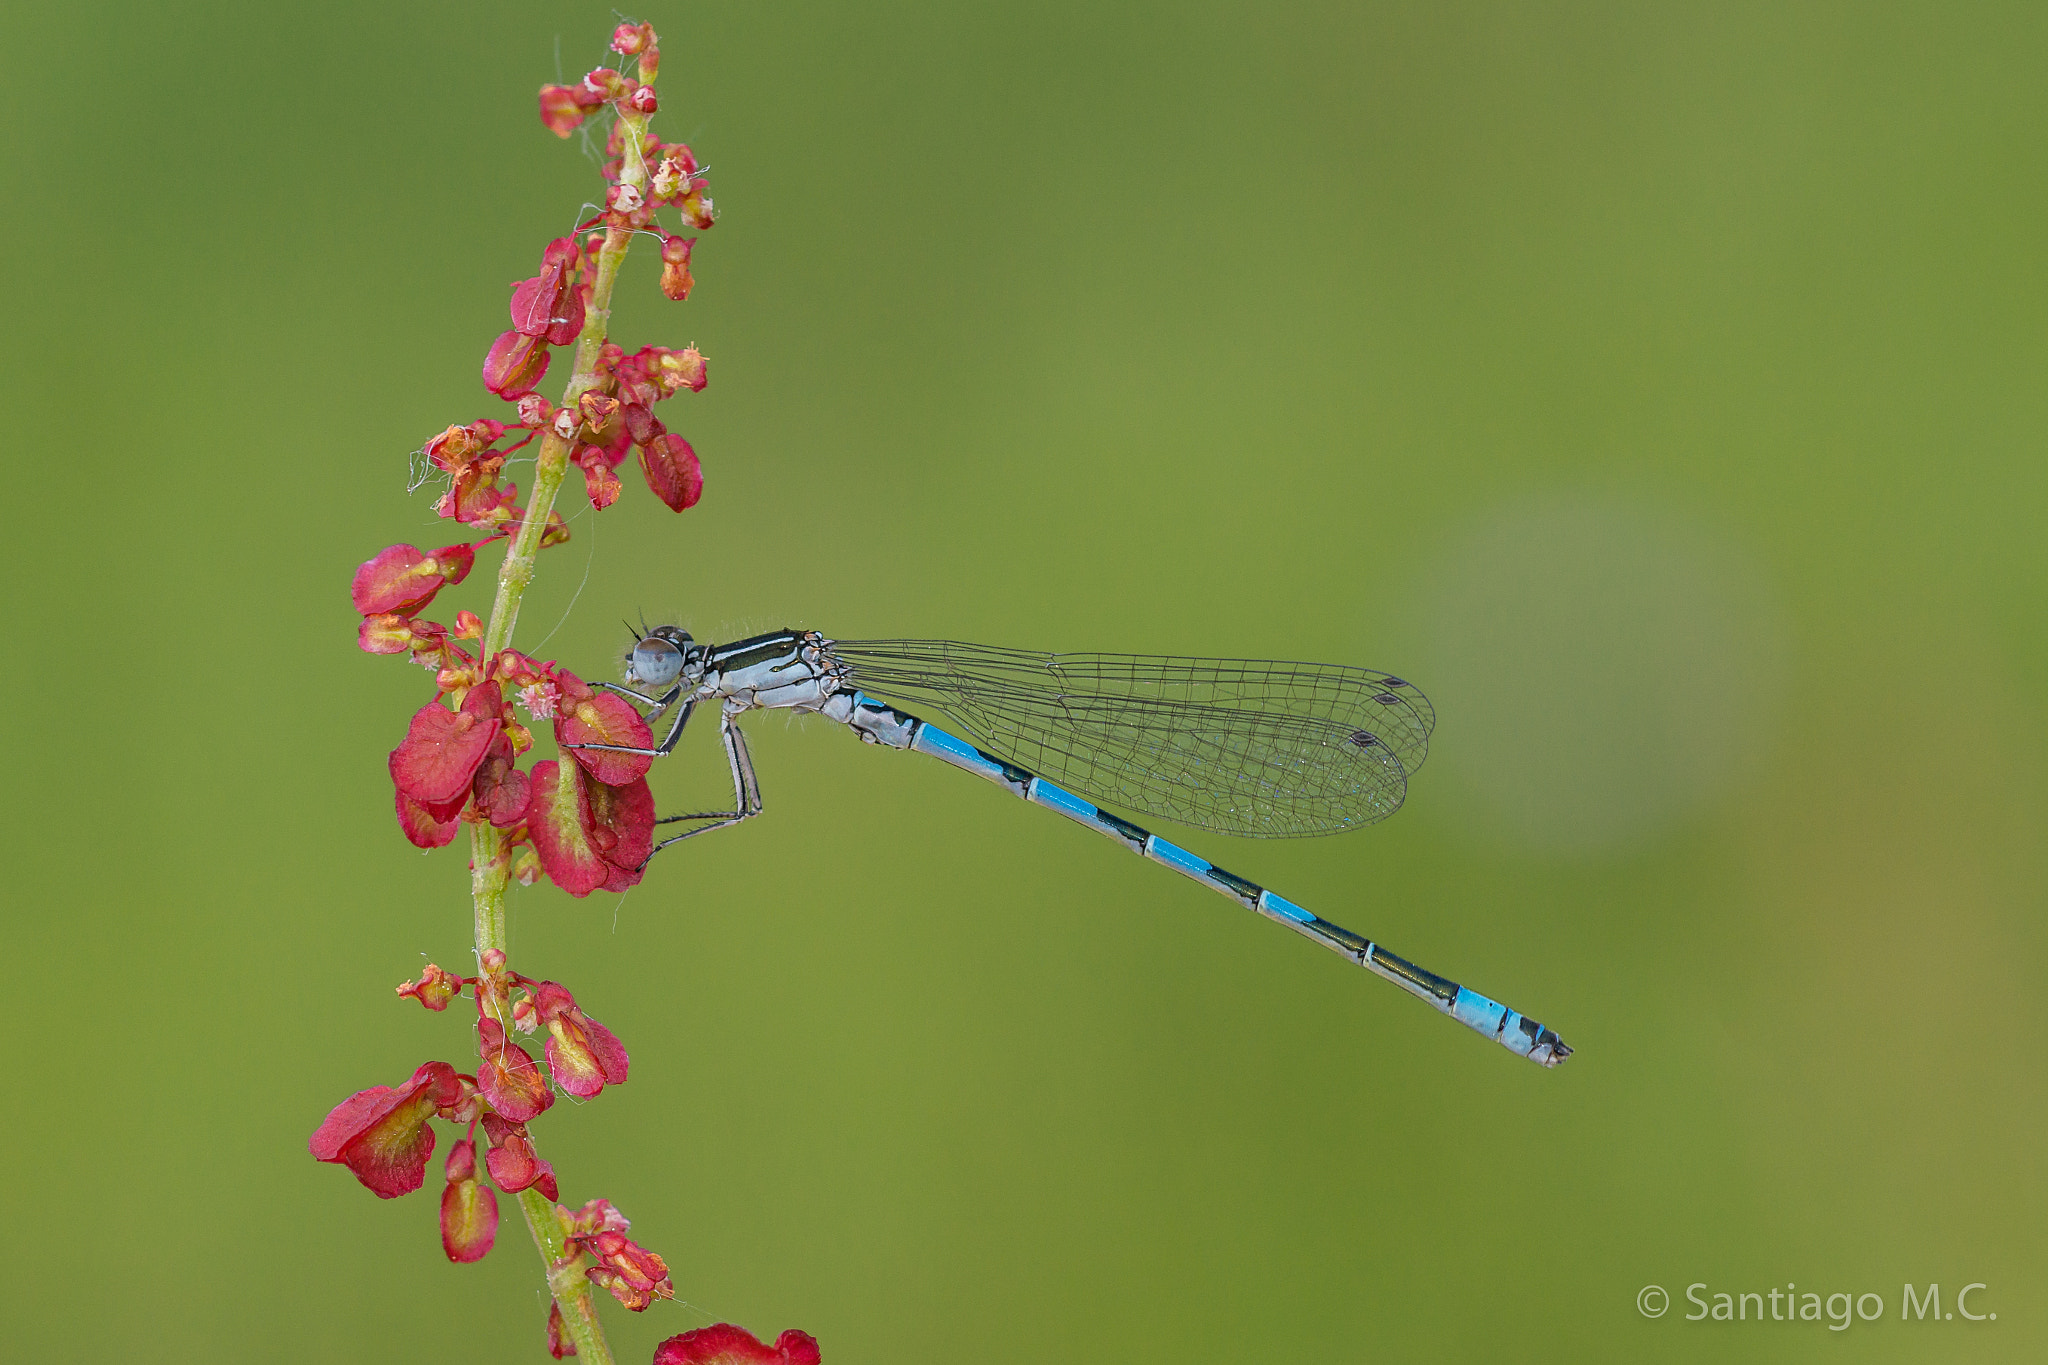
x=585, y=820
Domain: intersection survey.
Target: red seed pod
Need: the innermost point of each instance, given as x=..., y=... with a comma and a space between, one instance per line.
x=442, y=750
x=385, y=633
x=574, y=309
x=597, y=464
x=724, y=1344
x=512, y=1162
x=602, y=718
x=502, y=790
x=506, y=1075
x=535, y=300
x=672, y=471
x=401, y=579
x=555, y=817
x=381, y=1134
x=469, y=1210
x=601, y=485
x=635, y=1276
x=642, y=425
x=621, y=825
x=642, y=100
x=515, y=364
x=427, y=826
x=564, y=107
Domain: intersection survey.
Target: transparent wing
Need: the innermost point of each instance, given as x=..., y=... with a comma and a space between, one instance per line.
x=1241, y=746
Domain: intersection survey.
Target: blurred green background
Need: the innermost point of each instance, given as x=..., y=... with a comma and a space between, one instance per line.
x=1661, y=391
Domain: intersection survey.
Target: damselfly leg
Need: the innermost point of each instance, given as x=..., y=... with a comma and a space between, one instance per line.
x=746, y=792
x=660, y=704
x=746, y=787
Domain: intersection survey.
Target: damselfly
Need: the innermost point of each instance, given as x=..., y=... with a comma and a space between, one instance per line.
x=1239, y=746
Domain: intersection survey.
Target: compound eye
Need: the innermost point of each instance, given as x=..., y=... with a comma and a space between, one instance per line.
x=655, y=662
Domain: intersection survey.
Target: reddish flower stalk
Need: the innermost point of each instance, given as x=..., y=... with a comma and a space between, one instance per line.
x=584, y=821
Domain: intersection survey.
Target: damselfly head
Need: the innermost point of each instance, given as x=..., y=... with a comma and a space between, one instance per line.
x=660, y=656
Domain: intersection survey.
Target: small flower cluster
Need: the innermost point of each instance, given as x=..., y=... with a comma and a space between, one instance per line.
x=605, y=422
x=588, y=824
x=382, y=1134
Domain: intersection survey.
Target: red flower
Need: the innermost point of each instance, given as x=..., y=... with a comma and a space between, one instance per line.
x=506, y=1075
x=382, y=1135
x=582, y=1055
x=460, y=446
x=469, y=1210
x=628, y=39
x=725, y=1344
x=401, y=579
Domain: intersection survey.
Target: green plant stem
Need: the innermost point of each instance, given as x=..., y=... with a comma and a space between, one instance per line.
x=565, y=1280
x=490, y=869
